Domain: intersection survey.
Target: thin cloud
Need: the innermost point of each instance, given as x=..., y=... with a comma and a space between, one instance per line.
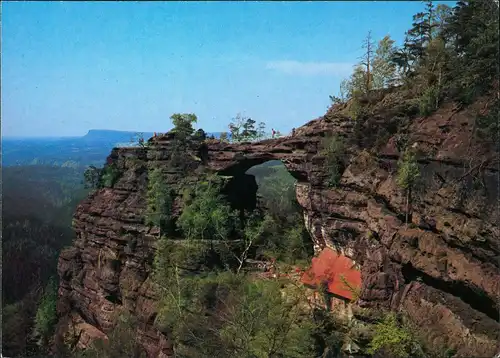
x=310, y=68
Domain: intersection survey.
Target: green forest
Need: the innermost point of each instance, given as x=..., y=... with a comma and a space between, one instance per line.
x=212, y=303
x=449, y=54
x=37, y=209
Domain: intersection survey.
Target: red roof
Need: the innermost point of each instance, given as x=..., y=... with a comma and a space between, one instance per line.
x=330, y=267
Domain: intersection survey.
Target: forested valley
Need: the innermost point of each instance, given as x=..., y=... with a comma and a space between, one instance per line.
x=37, y=209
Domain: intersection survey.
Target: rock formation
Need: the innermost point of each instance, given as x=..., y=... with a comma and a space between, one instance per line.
x=442, y=268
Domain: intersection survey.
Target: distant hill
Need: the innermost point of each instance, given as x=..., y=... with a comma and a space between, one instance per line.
x=75, y=152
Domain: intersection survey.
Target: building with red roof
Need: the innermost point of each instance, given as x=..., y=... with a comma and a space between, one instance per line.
x=336, y=273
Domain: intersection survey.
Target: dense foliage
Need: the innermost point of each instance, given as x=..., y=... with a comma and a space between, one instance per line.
x=242, y=129
x=333, y=149
x=448, y=53
x=183, y=124
x=228, y=315
x=121, y=342
x=393, y=339
x=205, y=213
x=159, y=201
x=97, y=178
x=205, y=313
x=46, y=315
x=407, y=175
x=37, y=209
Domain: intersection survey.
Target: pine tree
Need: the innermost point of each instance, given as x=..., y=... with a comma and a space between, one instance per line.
x=473, y=28
x=159, y=201
x=249, y=130
x=408, y=173
x=404, y=58
x=430, y=23
x=243, y=128
x=420, y=35
x=367, y=60
x=261, y=130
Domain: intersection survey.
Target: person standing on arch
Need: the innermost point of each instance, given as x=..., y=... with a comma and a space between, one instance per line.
x=273, y=132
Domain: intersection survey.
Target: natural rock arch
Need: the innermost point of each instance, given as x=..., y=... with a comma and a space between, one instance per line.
x=446, y=244
x=235, y=159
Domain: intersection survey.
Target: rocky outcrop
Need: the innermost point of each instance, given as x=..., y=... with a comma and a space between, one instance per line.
x=441, y=268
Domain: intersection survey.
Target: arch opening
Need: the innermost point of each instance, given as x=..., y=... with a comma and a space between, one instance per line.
x=275, y=187
x=245, y=163
x=268, y=191
x=261, y=184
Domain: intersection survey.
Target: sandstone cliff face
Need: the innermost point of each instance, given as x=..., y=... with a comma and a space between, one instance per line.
x=442, y=269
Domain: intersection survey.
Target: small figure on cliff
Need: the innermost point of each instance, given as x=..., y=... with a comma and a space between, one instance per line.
x=154, y=134
x=293, y=132
x=273, y=132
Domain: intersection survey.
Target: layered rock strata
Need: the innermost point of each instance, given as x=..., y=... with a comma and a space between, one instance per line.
x=441, y=268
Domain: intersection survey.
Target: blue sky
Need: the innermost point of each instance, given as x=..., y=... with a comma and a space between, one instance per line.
x=68, y=67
